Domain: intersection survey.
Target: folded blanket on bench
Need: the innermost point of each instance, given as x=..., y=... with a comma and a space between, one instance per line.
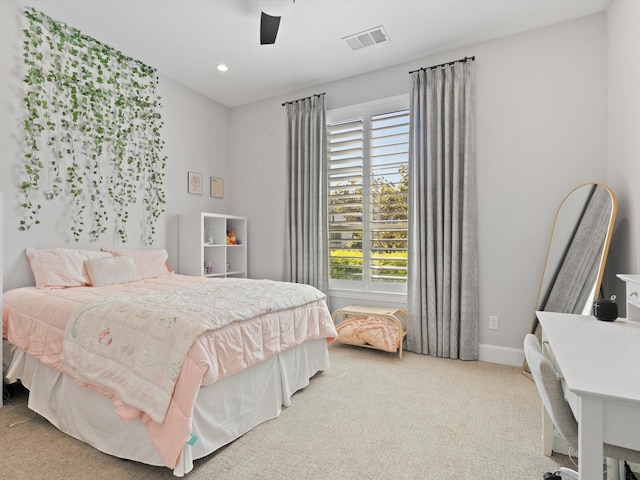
x=379, y=332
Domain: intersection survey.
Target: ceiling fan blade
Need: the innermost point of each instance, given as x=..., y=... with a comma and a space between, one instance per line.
x=268, y=29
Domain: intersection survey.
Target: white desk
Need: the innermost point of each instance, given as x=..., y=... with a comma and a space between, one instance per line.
x=600, y=363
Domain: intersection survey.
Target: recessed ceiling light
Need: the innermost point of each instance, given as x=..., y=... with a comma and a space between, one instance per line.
x=222, y=67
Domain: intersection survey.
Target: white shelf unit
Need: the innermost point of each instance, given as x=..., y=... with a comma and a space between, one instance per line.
x=202, y=242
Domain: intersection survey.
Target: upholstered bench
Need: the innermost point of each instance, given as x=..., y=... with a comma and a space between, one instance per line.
x=371, y=327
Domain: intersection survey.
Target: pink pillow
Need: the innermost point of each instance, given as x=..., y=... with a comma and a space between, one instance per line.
x=149, y=262
x=61, y=267
x=111, y=271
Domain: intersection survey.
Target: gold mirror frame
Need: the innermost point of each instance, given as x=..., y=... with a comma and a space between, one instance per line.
x=565, y=225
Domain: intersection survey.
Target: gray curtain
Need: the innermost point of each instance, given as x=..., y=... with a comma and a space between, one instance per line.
x=305, y=247
x=442, y=285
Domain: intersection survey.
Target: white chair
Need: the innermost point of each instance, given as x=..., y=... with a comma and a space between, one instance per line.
x=549, y=387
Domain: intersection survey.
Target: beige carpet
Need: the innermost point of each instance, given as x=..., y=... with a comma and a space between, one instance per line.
x=370, y=416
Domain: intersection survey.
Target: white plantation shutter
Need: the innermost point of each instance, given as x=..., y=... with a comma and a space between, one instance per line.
x=346, y=175
x=367, y=200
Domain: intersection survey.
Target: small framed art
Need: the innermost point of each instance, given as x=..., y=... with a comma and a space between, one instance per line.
x=195, y=183
x=217, y=187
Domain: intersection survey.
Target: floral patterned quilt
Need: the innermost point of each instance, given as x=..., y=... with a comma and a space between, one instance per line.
x=134, y=346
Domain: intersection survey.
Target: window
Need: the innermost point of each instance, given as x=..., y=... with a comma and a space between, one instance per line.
x=368, y=154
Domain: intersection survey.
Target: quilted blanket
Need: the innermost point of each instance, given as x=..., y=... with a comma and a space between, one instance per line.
x=379, y=332
x=134, y=346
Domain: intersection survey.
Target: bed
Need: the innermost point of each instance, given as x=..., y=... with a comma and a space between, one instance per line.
x=156, y=367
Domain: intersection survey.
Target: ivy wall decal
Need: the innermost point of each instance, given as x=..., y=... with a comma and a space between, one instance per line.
x=91, y=131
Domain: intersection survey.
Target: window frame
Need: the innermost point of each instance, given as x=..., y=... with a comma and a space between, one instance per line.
x=366, y=111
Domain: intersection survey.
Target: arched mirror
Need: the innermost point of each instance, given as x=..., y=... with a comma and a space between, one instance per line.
x=577, y=252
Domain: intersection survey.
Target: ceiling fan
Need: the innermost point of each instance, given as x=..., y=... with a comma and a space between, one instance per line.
x=272, y=11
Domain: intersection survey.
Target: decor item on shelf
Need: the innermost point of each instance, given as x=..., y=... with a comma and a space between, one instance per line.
x=605, y=309
x=91, y=131
x=195, y=183
x=217, y=187
x=232, y=237
x=209, y=239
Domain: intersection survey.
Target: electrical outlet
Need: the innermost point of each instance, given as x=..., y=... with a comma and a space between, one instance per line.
x=493, y=322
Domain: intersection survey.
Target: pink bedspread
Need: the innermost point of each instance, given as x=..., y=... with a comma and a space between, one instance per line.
x=35, y=320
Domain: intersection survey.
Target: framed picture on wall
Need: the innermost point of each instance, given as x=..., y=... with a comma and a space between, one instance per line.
x=217, y=187
x=195, y=183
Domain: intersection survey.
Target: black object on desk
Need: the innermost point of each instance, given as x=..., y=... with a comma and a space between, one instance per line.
x=605, y=310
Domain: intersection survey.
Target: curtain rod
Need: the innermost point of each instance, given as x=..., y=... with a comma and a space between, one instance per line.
x=305, y=98
x=443, y=64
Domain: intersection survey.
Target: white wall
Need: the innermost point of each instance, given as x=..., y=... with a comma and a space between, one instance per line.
x=541, y=116
x=541, y=130
x=195, y=131
x=623, y=25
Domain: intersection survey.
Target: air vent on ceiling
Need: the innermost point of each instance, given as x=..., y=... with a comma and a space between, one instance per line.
x=367, y=38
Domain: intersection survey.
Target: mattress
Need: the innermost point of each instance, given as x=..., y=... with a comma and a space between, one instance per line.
x=35, y=320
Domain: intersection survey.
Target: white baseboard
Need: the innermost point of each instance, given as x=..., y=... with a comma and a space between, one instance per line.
x=503, y=355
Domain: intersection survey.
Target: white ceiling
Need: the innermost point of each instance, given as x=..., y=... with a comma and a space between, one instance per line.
x=186, y=39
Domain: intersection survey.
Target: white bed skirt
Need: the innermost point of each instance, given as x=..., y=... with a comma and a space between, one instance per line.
x=223, y=412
